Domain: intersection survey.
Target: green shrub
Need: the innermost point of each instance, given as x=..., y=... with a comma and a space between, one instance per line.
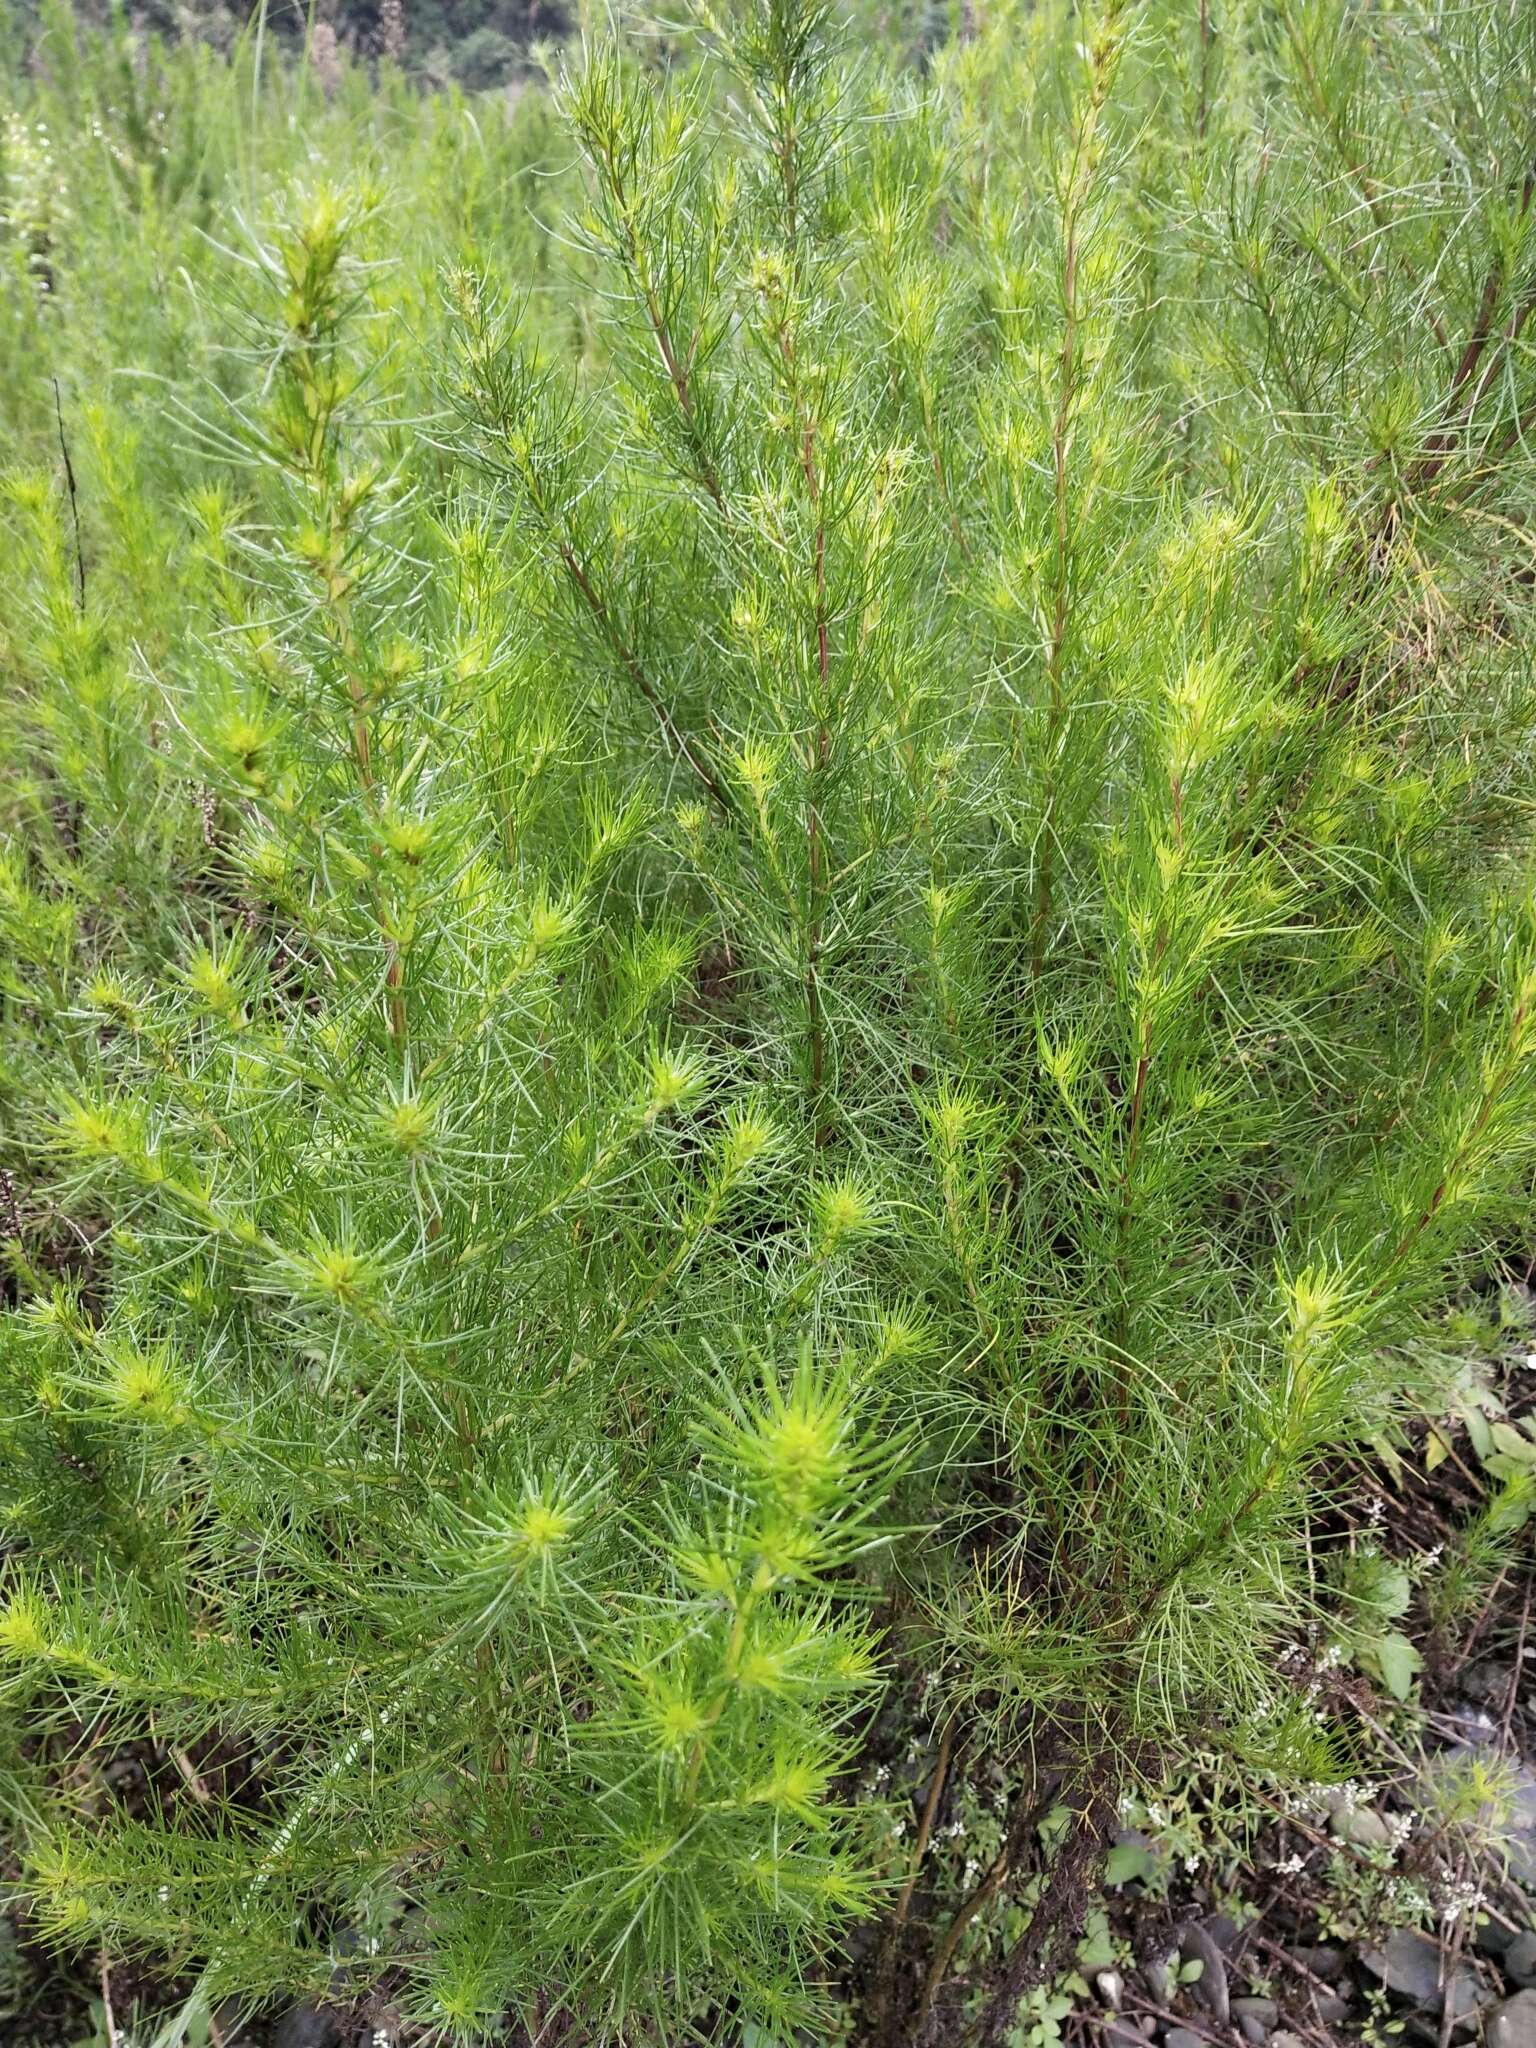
x=752, y=972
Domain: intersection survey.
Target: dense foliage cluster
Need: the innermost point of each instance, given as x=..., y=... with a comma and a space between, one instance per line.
x=768, y=939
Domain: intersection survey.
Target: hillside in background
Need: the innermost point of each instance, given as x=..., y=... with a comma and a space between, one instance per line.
x=472, y=43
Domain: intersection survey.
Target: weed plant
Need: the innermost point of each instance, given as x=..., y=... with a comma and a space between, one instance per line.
x=767, y=927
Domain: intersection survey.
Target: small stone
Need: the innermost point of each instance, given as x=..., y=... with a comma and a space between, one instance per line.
x=1284, y=2039
x=1465, y=1998
x=1330, y=2010
x=1197, y=1945
x=1325, y=1963
x=1522, y=1840
x=1110, y=1986
x=1264, y=2010
x=1519, y=1960
x=1361, y=1825
x=1253, y=2031
x=1222, y=1929
x=306, y=2026
x=1159, y=1976
x=1513, y=2024
x=1493, y=1937
x=1183, y=2037
x=1488, y=1682
x=1474, y=1729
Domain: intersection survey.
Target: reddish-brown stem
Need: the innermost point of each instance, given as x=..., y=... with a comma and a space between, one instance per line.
x=925, y=1827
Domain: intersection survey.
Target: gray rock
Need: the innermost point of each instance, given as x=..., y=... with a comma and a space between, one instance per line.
x=1222, y=1929
x=1362, y=1825
x=1408, y=1965
x=1465, y=1997
x=1197, y=1945
x=1519, y=1960
x=1253, y=2031
x=1474, y=1726
x=1159, y=1976
x=1264, y=2010
x=1285, y=2039
x=1493, y=1937
x=1183, y=2037
x=1329, y=2009
x=1488, y=1682
x=1513, y=2024
x=1521, y=1822
x=306, y=2026
x=1325, y=1962
x=1110, y=1986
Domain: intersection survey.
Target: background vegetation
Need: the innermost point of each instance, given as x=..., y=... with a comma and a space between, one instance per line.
x=768, y=952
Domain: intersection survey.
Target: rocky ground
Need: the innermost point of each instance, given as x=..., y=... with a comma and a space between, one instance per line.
x=1400, y=1905
x=1283, y=1950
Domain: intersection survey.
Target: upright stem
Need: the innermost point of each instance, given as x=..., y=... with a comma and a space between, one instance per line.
x=678, y=365
x=1079, y=187
x=362, y=761
x=819, y=753
x=785, y=149
x=601, y=614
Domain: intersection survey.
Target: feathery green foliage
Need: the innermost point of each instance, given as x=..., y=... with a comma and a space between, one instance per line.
x=761, y=949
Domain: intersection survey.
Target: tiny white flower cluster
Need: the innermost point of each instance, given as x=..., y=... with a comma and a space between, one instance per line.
x=1462, y=1900
x=1289, y=1866
x=1313, y=1801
